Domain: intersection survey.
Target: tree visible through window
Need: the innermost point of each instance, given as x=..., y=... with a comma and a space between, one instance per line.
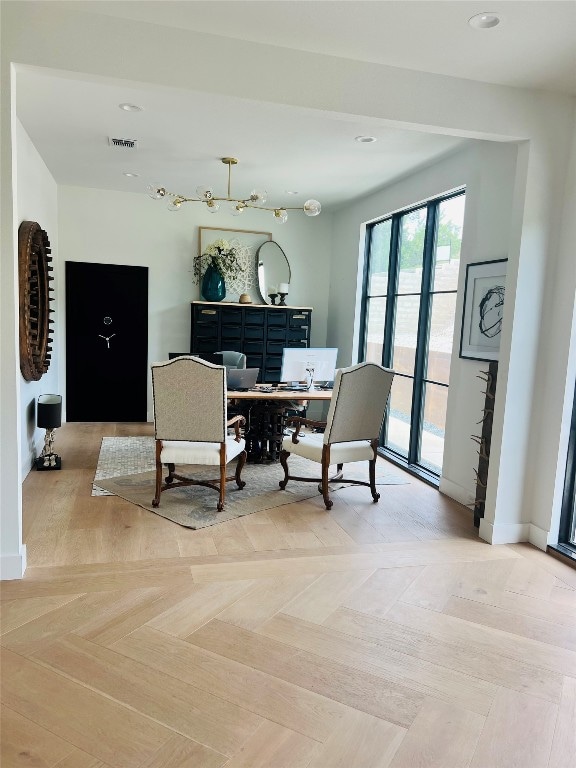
x=409, y=302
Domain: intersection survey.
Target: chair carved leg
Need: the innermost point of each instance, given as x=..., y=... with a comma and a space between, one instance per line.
x=222, y=496
x=328, y=503
x=171, y=471
x=156, y=499
x=284, y=461
x=372, y=476
x=239, y=467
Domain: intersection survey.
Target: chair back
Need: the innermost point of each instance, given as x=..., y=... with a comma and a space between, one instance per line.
x=358, y=403
x=189, y=400
x=233, y=359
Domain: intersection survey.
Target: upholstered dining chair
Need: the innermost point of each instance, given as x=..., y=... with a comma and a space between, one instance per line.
x=351, y=429
x=191, y=425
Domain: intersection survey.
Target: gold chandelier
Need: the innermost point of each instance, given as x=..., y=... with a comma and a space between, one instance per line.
x=256, y=199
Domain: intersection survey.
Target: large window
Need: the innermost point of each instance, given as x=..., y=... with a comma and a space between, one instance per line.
x=409, y=302
x=567, y=534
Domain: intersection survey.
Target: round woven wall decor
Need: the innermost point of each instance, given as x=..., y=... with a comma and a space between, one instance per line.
x=34, y=268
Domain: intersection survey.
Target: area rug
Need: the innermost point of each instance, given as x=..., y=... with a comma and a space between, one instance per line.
x=195, y=507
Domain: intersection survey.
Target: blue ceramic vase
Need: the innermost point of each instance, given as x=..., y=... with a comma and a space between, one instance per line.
x=213, y=285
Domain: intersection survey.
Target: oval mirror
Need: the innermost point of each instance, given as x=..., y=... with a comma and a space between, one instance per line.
x=272, y=268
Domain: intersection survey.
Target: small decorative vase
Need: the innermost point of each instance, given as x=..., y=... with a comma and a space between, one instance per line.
x=213, y=285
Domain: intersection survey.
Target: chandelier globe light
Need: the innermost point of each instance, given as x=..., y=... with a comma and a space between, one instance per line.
x=237, y=206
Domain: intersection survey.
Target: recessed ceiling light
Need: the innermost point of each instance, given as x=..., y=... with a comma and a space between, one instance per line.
x=485, y=20
x=365, y=139
x=130, y=107
x=131, y=175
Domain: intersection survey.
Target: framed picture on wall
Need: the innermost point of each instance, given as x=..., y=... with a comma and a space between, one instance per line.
x=246, y=242
x=484, y=295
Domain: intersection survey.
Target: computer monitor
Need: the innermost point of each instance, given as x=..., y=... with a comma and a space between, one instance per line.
x=308, y=364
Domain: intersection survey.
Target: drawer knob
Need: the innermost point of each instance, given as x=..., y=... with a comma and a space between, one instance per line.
x=208, y=311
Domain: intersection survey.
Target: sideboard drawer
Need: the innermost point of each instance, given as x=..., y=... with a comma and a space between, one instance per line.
x=276, y=333
x=207, y=315
x=275, y=347
x=277, y=317
x=254, y=361
x=299, y=318
x=231, y=332
x=253, y=332
x=231, y=316
x=298, y=334
x=271, y=376
x=254, y=316
x=206, y=331
x=253, y=348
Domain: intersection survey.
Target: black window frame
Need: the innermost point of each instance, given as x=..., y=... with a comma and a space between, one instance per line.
x=568, y=510
x=426, y=293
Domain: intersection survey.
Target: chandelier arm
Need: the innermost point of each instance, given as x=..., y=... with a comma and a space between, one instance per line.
x=276, y=208
x=245, y=203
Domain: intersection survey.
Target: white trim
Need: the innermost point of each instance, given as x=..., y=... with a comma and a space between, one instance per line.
x=504, y=534
x=13, y=566
x=456, y=492
x=538, y=536
x=27, y=467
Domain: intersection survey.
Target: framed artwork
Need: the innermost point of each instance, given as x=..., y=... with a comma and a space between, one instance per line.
x=484, y=295
x=247, y=242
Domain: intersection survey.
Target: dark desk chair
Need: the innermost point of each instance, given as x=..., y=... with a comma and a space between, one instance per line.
x=233, y=359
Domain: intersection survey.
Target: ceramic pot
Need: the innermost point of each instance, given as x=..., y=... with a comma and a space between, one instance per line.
x=213, y=285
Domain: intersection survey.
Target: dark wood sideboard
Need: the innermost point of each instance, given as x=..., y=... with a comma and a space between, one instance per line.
x=260, y=331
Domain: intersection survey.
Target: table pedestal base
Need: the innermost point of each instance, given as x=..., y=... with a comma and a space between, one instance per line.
x=264, y=431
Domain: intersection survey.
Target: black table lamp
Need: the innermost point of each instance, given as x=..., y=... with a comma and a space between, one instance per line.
x=48, y=417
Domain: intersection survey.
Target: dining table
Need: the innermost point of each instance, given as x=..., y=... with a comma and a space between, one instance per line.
x=266, y=409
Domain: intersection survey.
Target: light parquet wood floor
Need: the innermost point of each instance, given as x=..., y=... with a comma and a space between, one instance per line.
x=373, y=636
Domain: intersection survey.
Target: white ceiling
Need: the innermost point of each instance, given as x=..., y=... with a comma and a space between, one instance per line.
x=281, y=149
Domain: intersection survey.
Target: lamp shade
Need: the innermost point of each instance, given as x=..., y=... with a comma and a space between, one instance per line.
x=49, y=415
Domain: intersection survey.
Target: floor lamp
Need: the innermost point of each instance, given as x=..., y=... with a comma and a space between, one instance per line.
x=49, y=417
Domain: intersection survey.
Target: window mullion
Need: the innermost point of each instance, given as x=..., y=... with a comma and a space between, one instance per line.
x=387, y=345
x=393, y=270
x=422, y=335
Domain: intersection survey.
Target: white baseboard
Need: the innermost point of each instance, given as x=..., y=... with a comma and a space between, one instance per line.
x=456, y=492
x=538, y=536
x=28, y=465
x=13, y=566
x=512, y=533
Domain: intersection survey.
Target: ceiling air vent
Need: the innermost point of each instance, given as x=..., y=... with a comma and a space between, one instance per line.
x=126, y=143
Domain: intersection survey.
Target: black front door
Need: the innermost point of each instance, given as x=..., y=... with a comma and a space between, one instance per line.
x=106, y=342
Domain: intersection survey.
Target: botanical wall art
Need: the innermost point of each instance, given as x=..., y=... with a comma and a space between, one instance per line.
x=483, y=310
x=243, y=244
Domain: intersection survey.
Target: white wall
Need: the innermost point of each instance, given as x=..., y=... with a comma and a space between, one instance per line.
x=37, y=201
x=487, y=170
x=121, y=228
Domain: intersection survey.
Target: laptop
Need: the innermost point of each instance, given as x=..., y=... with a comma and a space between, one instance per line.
x=241, y=379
